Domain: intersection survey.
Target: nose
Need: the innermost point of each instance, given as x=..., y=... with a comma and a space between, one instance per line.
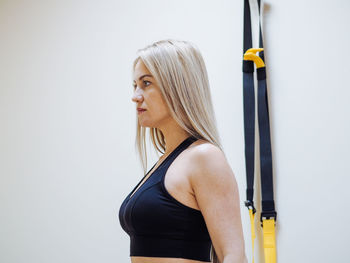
x=136, y=97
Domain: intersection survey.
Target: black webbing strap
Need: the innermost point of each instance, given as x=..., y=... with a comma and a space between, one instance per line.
x=266, y=177
x=249, y=107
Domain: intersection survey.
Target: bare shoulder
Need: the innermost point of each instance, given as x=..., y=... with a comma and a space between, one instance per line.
x=208, y=162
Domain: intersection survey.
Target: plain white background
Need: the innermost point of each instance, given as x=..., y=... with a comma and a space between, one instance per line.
x=67, y=122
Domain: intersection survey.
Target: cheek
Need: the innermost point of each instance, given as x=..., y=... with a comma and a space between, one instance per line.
x=157, y=103
x=163, y=107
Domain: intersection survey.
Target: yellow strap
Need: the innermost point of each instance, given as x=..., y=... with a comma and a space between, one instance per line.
x=252, y=229
x=269, y=240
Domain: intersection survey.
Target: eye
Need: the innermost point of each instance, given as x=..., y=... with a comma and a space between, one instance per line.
x=146, y=81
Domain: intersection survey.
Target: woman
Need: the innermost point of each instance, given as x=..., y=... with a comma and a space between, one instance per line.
x=186, y=208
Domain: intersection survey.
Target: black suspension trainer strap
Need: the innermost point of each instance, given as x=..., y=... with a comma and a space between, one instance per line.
x=268, y=214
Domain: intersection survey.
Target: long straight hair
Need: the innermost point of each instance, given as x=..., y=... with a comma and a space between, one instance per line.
x=180, y=72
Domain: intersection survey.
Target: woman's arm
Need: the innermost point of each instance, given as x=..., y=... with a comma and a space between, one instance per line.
x=216, y=192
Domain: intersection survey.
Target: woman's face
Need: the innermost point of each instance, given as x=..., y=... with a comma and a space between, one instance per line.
x=147, y=95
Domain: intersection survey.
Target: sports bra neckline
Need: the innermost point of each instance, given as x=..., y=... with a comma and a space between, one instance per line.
x=133, y=192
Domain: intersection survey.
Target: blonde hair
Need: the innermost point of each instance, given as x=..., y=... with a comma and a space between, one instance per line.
x=180, y=72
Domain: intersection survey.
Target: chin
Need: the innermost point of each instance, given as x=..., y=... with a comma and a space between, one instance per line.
x=146, y=124
x=151, y=123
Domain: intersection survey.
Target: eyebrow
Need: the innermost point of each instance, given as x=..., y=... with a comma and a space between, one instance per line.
x=146, y=75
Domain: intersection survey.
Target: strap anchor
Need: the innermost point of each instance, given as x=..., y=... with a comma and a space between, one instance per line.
x=250, y=54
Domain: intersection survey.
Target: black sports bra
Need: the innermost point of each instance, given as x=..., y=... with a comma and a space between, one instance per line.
x=158, y=224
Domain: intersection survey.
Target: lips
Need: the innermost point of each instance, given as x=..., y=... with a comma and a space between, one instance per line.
x=140, y=109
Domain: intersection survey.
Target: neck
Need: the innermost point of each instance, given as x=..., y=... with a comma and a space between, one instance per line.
x=173, y=136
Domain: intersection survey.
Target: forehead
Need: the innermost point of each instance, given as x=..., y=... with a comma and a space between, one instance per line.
x=140, y=70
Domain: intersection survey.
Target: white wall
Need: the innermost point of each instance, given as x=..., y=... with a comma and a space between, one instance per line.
x=67, y=123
